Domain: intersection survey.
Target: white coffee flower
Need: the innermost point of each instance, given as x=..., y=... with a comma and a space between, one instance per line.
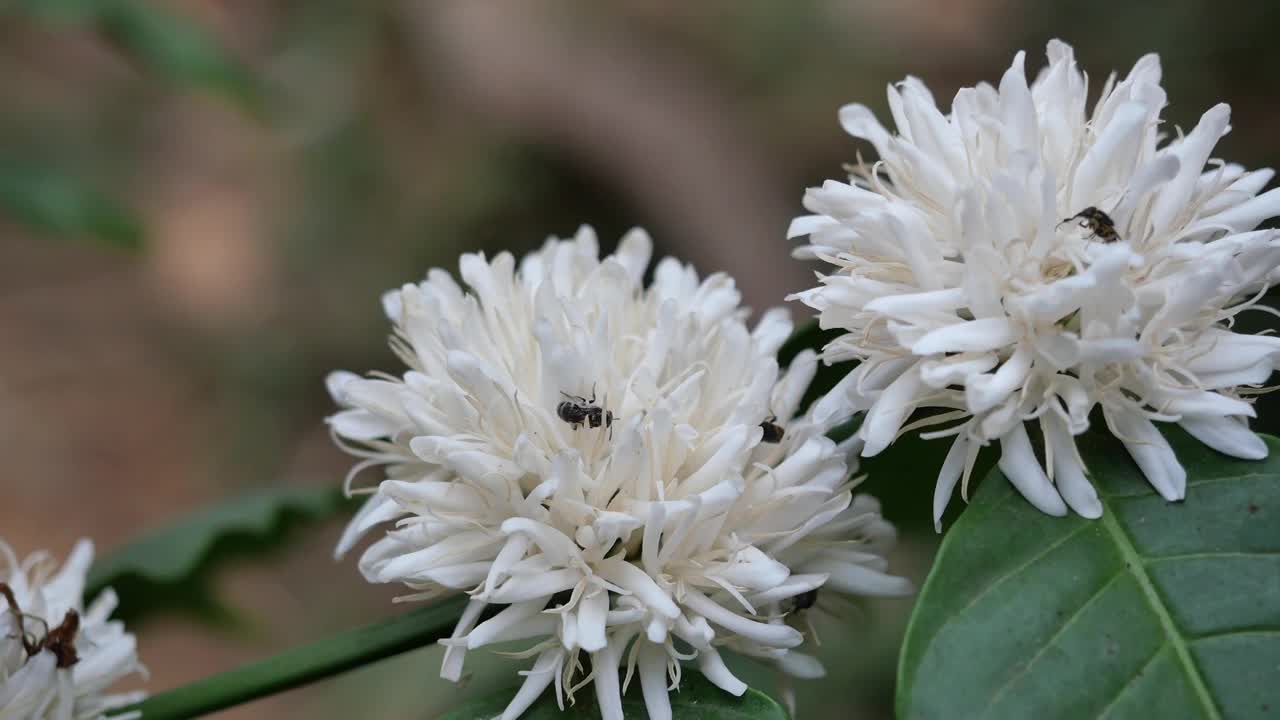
x=847, y=546
x=588, y=452
x=965, y=291
x=57, y=659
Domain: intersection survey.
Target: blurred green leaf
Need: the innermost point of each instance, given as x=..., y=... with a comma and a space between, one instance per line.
x=176, y=47
x=697, y=699
x=169, y=569
x=305, y=664
x=160, y=40
x=48, y=201
x=1155, y=610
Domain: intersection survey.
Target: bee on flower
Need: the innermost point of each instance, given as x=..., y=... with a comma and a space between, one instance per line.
x=626, y=539
x=964, y=293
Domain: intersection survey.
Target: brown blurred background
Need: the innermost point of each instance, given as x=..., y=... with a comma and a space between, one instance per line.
x=384, y=138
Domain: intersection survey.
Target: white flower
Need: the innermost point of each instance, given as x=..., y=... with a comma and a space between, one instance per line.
x=654, y=529
x=57, y=659
x=848, y=548
x=965, y=292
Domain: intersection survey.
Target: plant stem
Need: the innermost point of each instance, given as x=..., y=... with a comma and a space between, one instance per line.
x=308, y=663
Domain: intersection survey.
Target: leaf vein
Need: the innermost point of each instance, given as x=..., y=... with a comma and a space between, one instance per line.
x=1149, y=492
x=1012, y=572
x=1067, y=623
x=1134, y=562
x=1133, y=679
x=1252, y=630
x=1210, y=556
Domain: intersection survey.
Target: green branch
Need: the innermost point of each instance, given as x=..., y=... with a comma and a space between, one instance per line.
x=308, y=663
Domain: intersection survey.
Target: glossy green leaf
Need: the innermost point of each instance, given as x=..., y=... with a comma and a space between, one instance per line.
x=1156, y=610
x=697, y=699
x=169, y=568
x=50, y=202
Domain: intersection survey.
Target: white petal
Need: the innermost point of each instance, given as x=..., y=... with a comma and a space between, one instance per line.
x=775, y=635
x=1018, y=108
x=948, y=476
x=854, y=579
x=891, y=409
x=1228, y=435
x=592, y=611
x=1018, y=463
x=983, y=392
x=955, y=370
x=911, y=305
x=336, y=382
x=633, y=253
x=456, y=654
x=808, y=224
x=524, y=588
x=377, y=509
x=505, y=624
x=608, y=692
x=1121, y=136
x=714, y=669
x=860, y=122
x=363, y=425
x=1193, y=151
x=1242, y=217
x=1151, y=451
x=976, y=336
x=652, y=666
x=799, y=665
x=544, y=670
x=1068, y=469
x=636, y=580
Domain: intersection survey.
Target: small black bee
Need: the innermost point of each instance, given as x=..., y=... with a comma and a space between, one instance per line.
x=772, y=432
x=578, y=410
x=804, y=600
x=1100, y=223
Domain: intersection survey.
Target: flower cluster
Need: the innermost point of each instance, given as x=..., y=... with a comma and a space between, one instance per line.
x=1027, y=259
x=602, y=459
x=57, y=659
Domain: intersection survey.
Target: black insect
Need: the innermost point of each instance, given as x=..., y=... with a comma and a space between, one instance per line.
x=579, y=411
x=1097, y=222
x=772, y=431
x=804, y=600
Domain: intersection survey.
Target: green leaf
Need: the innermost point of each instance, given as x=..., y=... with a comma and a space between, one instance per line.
x=305, y=664
x=1156, y=610
x=169, y=568
x=50, y=202
x=697, y=699
x=176, y=47
x=158, y=39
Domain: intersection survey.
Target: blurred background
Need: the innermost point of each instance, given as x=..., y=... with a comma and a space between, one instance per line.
x=201, y=201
